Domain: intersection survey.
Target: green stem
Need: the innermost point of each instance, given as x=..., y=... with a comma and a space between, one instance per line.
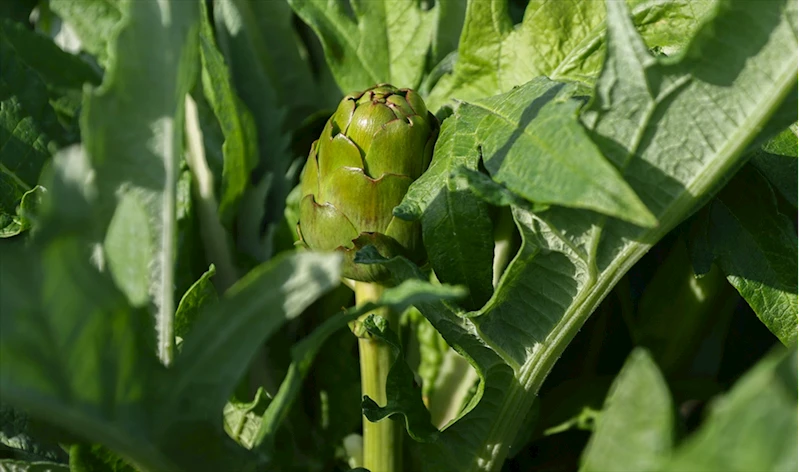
x=382, y=441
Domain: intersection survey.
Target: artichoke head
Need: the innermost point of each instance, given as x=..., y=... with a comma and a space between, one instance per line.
x=373, y=147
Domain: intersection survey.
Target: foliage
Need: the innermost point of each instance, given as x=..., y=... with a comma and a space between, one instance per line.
x=613, y=188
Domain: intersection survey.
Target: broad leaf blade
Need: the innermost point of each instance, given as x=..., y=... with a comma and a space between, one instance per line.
x=200, y=296
x=675, y=129
x=755, y=246
x=752, y=427
x=136, y=154
x=777, y=160
x=220, y=346
x=634, y=431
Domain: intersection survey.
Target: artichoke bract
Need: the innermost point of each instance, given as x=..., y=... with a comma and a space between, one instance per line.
x=373, y=147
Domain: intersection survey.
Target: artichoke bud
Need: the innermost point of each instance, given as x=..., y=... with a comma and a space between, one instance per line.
x=373, y=147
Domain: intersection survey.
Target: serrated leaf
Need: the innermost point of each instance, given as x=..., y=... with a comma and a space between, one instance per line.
x=634, y=430
x=240, y=148
x=752, y=427
x=675, y=129
x=378, y=42
x=755, y=246
x=560, y=40
x=94, y=21
x=136, y=154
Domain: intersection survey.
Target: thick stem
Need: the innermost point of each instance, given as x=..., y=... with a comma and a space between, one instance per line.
x=382, y=441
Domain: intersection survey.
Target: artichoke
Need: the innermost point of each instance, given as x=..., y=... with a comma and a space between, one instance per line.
x=373, y=147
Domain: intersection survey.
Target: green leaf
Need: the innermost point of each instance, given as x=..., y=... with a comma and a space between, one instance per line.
x=402, y=396
x=74, y=353
x=200, y=296
x=19, y=433
x=94, y=21
x=219, y=348
x=448, y=24
x=399, y=298
x=136, y=154
x=9, y=465
x=777, y=160
x=255, y=75
x=240, y=148
x=634, y=431
x=379, y=42
x=26, y=213
x=96, y=458
x=752, y=427
x=243, y=419
x=445, y=206
x=755, y=246
x=675, y=129
x=560, y=40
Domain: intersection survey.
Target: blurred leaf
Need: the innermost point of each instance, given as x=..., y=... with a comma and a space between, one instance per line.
x=94, y=21
x=449, y=16
x=634, y=431
x=219, y=348
x=136, y=154
x=96, y=458
x=677, y=308
x=247, y=55
x=374, y=42
x=752, y=427
x=200, y=296
x=10, y=465
x=19, y=10
x=74, y=353
x=243, y=420
x=560, y=40
x=777, y=160
x=240, y=146
x=755, y=246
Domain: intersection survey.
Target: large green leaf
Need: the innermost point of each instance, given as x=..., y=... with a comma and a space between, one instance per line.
x=752, y=427
x=634, y=431
x=94, y=21
x=675, y=129
x=561, y=40
x=75, y=353
x=777, y=160
x=240, y=148
x=755, y=246
x=373, y=41
x=226, y=337
x=136, y=154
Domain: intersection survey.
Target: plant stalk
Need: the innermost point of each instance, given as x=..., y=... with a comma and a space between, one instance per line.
x=382, y=441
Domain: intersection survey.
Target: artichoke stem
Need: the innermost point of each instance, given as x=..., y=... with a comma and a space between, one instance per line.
x=382, y=441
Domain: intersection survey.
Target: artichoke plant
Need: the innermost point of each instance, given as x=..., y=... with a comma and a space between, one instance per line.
x=373, y=147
